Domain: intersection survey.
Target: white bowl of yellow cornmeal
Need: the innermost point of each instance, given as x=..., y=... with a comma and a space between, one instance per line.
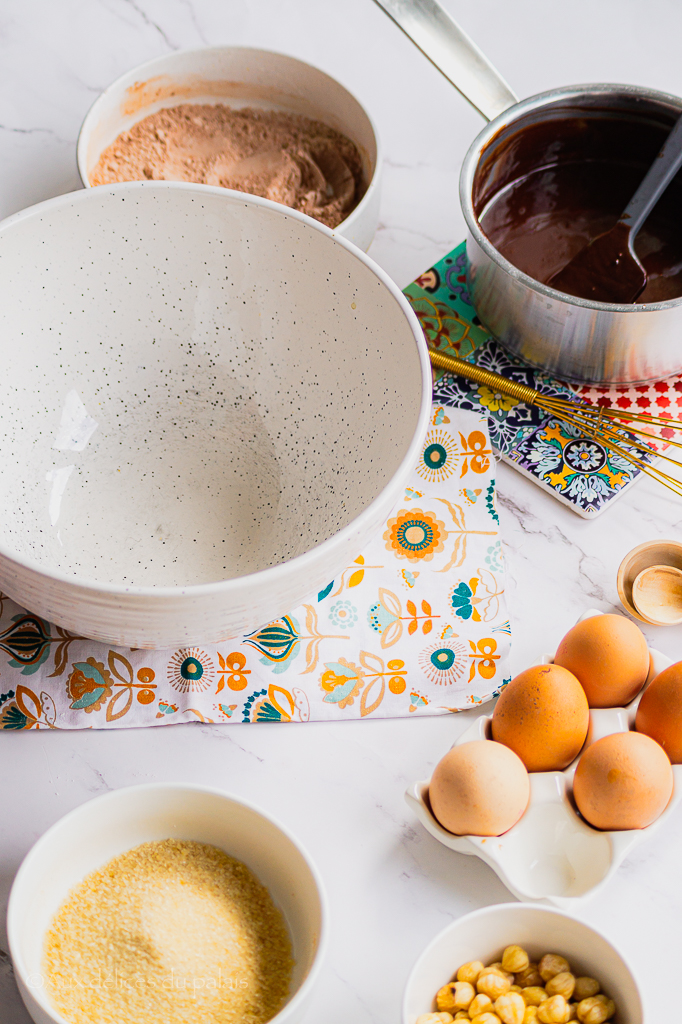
x=263, y=84
x=166, y=904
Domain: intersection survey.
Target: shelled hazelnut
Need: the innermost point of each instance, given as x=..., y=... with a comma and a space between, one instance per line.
x=516, y=990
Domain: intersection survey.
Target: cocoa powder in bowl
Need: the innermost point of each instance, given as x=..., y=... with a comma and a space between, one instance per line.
x=287, y=158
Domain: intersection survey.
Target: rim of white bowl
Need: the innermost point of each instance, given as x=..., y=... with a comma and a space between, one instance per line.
x=13, y=927
x=506, y=908
x=93, y=113
x=300, y=562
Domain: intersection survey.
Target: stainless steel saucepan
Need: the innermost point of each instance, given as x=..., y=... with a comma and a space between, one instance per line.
x=576, y=339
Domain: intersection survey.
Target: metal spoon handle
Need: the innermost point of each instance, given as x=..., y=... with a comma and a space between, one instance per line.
x=440, y=38
x=655, y=181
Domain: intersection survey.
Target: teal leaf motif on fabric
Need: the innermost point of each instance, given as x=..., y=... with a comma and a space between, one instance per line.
x=267, y=713
x=506, y=682
x=13, y=718
x=27, y=641
x=461, y=600
x=490, y=501
x=92, y=685
x=339, y=693
x=246, y=710
x=323, y=593
x=339, y=670
x=493, y=557
x=88, y=699
x=277, y=640
x=278, y=667
x=379, y=617
x=345, y=680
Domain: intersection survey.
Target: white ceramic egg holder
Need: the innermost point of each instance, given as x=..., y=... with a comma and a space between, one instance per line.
x=552, y=855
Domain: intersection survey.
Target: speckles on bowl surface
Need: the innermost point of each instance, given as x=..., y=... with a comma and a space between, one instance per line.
x=253, y=384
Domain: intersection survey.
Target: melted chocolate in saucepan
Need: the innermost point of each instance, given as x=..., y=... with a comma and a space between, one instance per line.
x=544, y=190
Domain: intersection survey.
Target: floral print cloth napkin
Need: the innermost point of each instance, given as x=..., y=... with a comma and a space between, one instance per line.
x=416, y=625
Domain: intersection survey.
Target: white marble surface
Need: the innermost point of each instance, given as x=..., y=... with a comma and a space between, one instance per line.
x=340, y=787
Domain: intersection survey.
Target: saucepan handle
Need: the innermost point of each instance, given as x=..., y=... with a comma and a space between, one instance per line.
x=440, y=38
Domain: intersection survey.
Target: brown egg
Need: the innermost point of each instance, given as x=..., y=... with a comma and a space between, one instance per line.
x=479, y=788
x=623, y=781
x=659, y=714
x=609, y=655
x=543, y=716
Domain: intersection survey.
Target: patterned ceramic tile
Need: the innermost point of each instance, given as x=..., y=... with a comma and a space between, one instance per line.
x=662, y=398
x=576, y=470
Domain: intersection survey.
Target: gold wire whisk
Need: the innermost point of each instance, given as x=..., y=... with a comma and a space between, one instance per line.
x=612, y=428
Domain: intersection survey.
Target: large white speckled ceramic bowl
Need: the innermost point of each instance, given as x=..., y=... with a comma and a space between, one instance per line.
x=208, y=403
x=238, y=76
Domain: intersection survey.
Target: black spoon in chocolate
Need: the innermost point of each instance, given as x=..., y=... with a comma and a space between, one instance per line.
x=607, y=269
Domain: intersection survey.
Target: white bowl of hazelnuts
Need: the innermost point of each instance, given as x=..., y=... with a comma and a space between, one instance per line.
x=519, y=963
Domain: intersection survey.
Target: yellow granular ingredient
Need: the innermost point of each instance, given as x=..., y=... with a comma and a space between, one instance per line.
x=172, y=932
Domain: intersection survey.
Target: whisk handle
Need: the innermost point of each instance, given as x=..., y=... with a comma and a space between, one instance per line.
x=482, y=376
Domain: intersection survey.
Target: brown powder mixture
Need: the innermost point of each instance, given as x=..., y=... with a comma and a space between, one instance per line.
x=172, y=932
x=284, y=157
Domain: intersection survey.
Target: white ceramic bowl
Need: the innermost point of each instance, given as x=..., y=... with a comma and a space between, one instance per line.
x=208, y=404
x=238, y=77
x=92, y=834
x=552, y=854
x=483, y=934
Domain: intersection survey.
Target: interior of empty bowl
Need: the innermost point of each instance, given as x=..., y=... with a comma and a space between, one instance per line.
x=197, y=385
x=96, y=832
